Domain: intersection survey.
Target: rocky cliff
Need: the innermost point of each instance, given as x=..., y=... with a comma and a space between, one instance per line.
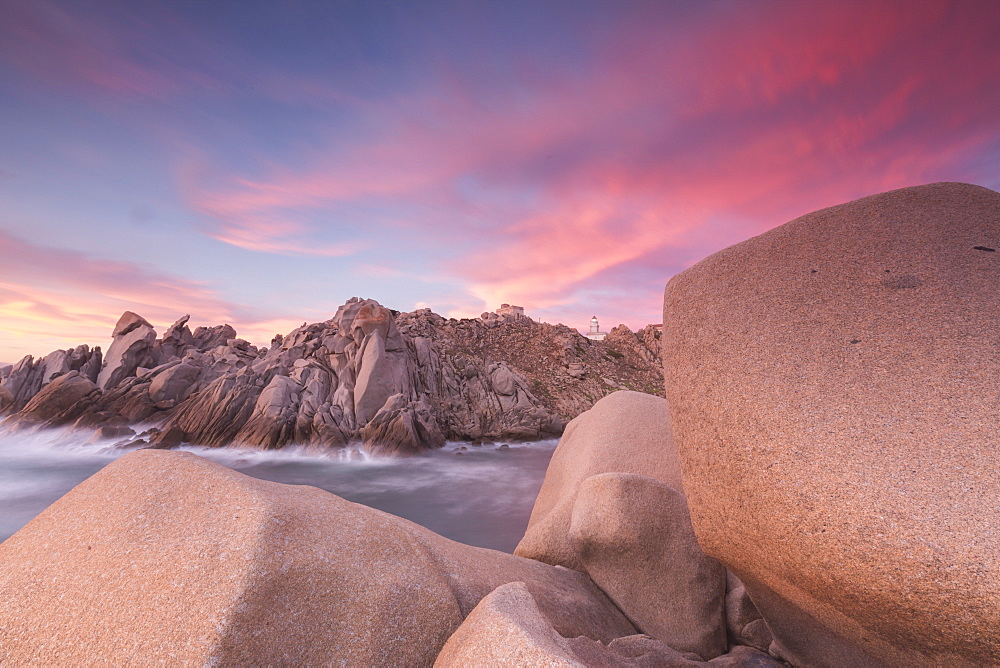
x=398, y=382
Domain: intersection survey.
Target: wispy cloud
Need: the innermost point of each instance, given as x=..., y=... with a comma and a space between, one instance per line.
x=758, y=113
x=52, y=298
x=570, y=181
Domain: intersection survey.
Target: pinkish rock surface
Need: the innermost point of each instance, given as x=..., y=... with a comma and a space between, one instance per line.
x=635, y=538
x=625, y=432
x=168, y=557
x=833, y=389
x=510, y=628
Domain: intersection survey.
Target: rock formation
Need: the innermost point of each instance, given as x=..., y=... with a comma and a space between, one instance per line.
x=26, y=378
x=626, y=432
x=62, y=400
x=833, y=393
x=508, y=628
x=166, y=554
x=612, y=506
x=400, y=383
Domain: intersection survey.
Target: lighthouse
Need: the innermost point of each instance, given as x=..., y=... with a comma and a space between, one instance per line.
x=595, y=333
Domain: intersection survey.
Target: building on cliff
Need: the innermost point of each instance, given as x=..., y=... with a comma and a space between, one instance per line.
x=595, y=333
x=507, y=309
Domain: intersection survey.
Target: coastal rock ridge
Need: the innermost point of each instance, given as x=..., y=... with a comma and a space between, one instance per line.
x=398, y=382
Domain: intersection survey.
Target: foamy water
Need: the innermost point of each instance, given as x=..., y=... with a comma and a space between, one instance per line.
x=482, y=497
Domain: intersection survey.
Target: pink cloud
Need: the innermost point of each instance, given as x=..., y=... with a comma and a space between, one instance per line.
x=752, y=113
x=48, y=42
x=52, y=298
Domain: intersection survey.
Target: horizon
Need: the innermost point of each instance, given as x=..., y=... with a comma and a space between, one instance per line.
x=163, y=326
x=257, y=165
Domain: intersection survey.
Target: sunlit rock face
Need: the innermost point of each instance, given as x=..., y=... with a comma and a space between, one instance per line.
x=398, y=382
x=166, y=554
x=131, y=347
x=833, y=393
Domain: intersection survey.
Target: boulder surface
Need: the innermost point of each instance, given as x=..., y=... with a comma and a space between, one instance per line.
x=509, y=628
x=635, y=537
x=625, y=432
x=833, y=392
x=168, y=555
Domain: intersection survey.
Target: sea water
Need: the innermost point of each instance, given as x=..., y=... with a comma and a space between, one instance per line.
x=481, y=497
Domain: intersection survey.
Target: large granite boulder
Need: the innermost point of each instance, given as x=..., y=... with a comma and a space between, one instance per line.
x=612, y=506
x=833, y=392
x=166, y=554
x=625, y=432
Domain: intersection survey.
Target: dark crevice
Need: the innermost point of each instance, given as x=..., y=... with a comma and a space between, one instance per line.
x=985, y=248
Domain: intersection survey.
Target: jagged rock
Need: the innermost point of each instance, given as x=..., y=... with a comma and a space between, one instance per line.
x=258, y=574
x=176, y=340
x=626, y=432
x=87, y=362
x=6, y=399
x=209, y=338
x=59, y=402
x=54, y=365
x=215, y=415
x=380, y=375
x=833, y=392
x=174, y=382
x=166, y=438
x=459, y=379
x=23, y=382
x=274, y=415
x=131, y=347
x=401, y=428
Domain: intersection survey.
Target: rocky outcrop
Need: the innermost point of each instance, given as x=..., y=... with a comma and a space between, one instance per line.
x=402, y=428
x=61, y=401
x=833, y=393
x=132, y=346
x=400, y=383
x=258, y=574
x=27, y=378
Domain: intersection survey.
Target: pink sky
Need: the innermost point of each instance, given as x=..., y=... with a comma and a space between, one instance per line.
x=259, y=166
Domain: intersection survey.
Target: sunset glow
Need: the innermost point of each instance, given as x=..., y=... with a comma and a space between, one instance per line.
x=260, y=163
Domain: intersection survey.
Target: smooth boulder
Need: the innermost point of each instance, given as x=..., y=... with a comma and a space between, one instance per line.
x=625, y=432
x=166, y=555
x=635, y=537
x=833, y=393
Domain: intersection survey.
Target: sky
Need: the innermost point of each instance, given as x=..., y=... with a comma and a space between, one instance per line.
x=259, y=163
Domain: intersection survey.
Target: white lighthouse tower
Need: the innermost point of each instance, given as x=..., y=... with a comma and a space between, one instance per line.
x=595, y=333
